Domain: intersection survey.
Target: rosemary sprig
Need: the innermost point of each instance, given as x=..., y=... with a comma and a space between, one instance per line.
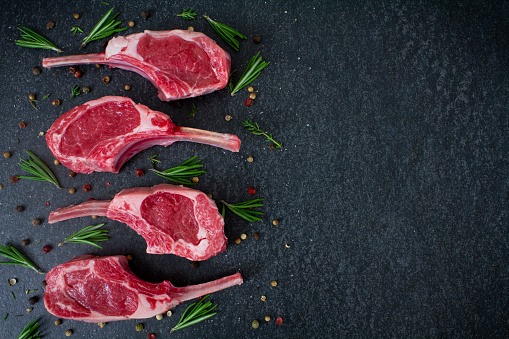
x=75, y=91
x=193, y=111
x=76, y=29
x=181, y=172
x=245, y=209
x=256, y=130
x=17, y=258
x=200, y=312
x=227, y=33
x=105, y=27
x=29, y=331
x=153, y=160
x=89, y=235
x=188, y=14
x=37, y=168
x=253, y=70
x=34, y=40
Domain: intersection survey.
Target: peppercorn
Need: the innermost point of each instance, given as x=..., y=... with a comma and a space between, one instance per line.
x=98, y=65
x=195, y=180
x=267, y=318
x=72, y=69
x=139, y=172
x=139, y=327
x=22, y=125
x=252, y=96
x=279, y=321
x=287, y=245
x=58, y=322
x=95, y=216
x=129, y=257
x=7, y=154
x=20, y=208
x=190, y=28
x=273, y=283
x=86, y=89
x=250, y=89
x=249, y=102
x=255, y=324
x=151, y=336
x=46, y=249
x=249, y=159
x=86, y=188
x=13, y=281
x=72, y=174
x=33, y=300
x=159, y=317
x=55, y=102
x=195, y=264
x=243, y=236
x=101, y=324
x=30, y=309
x=275, y=222
x=228, y=118
x=106, y=80
x=169, y=313
x=145, y=14
x=76, y=16
x=127, y=87
x=36, y=70
x=256, y=236
x=263, y=298
x=131, y=23
x=13, y=179
x=237, y=241
x=78, y=74
x=272, y=147
x=72, y=190
x=36, y=222
x=25, y=242
x=31, y=97
x=257, y=39
x=50, y=25
x=68, y=333
x=56, y=162
x=251, y=190
x=1, y=186
x=44, y=284
x=209, y=195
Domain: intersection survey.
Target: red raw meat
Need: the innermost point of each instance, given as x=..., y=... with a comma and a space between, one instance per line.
x=172, y=219
x=103, y=289
x=181, y=64
x=101, y=135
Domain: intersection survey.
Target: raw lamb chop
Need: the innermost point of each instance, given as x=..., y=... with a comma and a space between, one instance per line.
x=103, y=289
x=181, y=64
x=172, y=219
x=101, y=135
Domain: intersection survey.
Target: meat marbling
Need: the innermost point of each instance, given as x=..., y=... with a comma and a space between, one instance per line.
x=101, y=135
x=171, y=219
x=103, y=289
x=180, y=63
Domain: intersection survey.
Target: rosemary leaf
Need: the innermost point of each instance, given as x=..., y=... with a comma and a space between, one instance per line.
x=200, y=312
x=75, y=91
x=245, y=209
x=182, y=172
x=256, y=130
x=105, y=27
x=253, y=70
x=36, y=167
x=35, y=40
x=227, y=33
x=188, y=14
x=89, y=235
x=193, y=111
x=29, y=332
x=17, y=258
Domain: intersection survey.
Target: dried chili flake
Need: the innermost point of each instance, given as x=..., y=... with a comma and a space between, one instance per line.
x=90, y=199
x=46, y=249
x=13, y=179
x=86, y=188
x=251, y=190
x=46, y=203
x=22, y=125
x=279, y=321
x=139, y=172
x=249, y=102
x=107, y=183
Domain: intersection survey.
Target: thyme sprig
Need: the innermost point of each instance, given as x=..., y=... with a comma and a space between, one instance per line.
x=256, y=130
x=90, y=235
x=227, y=33
x=105, y=27
x=188, y=14
x=182, y=172
x=244, y=209
x=29, y=332
x=193, y=111
x=10, y=252
x=76, y=29
x=35, y=40
x=37, y=168
x=75, y=91
x=253, y=70
x=200, y=312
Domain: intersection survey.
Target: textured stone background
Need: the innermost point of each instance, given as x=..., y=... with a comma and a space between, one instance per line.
x=392, y=188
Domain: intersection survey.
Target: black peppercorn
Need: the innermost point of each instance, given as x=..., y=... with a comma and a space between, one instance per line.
x=195, y=264
x=36, y=222
x=33, y=300
x=50, y=25
x=20, y=208
x=36, y=70
x=72, y=69
x=25, y=242
x=257, y=39
x=72, y=174
x=145, y=14
x=86, y=89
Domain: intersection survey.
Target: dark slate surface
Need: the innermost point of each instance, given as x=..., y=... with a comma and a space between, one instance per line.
x=392, y=188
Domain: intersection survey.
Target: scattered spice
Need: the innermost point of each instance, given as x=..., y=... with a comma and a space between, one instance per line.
x=36, y=222
x=98, y=65
x=275, y=222
x=139, y=172
x=7, y=154
x=127, y=87
x=263, y=298
x=46, y=249
x=249, y=159
x=131, y=23
x=25, y=242
x=78, y=74
x=46, y=203
x=72, y=69
x=195, y=264
x=237, y=241
x=190, y=28
x=256, y=236
x=159, y=317
x=56, y=162
x=13, y=281
x=19, y=208
x=267, y=318
x=1, y=186
x=38, y=241
x=86, y=89
x=106, y=80
x=68, y=333
x=151, y=336
x=95, y=216
x=251, y=190
x=107, y=183
x=86, y=188
x=145, y=14
x=33, y=300
x=243, y=236
x=72, y=174
x=195, y=180
x=22, y=125
x=257, y=39
x=209, y=195
x=13, y=179
x=273, y=283
x=30, y=309
x=72, y=190
x=272, y=147
x=252, y=96
x=249, y=102
x=41, y=134
x=279, y=321
x=228, y=118
x=129, y=257
x=58, y=322
x=36, y=70
x=76, y=16
x=287, y=245
x=32, y=97
x=139, y=327
x=250, y=89
x=55, y=102
x=30, y=291
x=50, y=25
x=169, y=313
x=255, y=324
x=101, y=324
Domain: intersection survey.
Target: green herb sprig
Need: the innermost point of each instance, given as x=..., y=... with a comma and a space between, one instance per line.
x=33, y=103
x=253, y=70
x=75, y=91
x=256, y=130
x=244, y=209
x=153, y=160
x=37, y=168
x=227, y=33
x=76, y=29
x=10, y=252
x=188, y=14
x=34, y=40
x=193, y=111
x=105, y=27
x=29, y=332
x=182, y=172
x=200, y=312
x=90, y=235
